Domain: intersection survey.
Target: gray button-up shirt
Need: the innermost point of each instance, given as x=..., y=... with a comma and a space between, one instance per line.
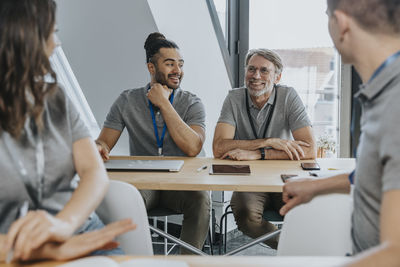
x=378, y=154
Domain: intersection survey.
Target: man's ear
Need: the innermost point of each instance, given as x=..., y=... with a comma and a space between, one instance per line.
x=278, y=78
x=151, y=67
x=343, y=23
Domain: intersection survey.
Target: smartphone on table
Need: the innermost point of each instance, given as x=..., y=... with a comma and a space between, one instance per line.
x=310, y=166
x=286, y=177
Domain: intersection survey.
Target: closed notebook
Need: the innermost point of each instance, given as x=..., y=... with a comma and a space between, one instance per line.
x=230, y=169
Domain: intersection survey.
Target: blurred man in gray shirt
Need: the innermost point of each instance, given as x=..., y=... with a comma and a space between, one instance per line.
x=367, y=34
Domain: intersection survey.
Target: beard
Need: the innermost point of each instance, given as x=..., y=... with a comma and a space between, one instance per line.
x=256, y=93
x=160, y=77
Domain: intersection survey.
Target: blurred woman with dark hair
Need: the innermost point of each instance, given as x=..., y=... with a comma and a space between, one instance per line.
x=43, y=144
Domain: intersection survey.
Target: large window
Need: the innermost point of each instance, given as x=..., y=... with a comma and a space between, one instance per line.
x=66, y=77
x=311, y=63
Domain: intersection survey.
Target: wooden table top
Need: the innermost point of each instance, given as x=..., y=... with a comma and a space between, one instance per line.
x=221, y=261
x=264, y=177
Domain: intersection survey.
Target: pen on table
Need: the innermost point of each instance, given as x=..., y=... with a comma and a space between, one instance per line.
x=202, y=168
x=23, y=210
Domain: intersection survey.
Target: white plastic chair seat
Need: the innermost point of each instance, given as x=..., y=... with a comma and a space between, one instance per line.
x=124, y=201
x=321, y=227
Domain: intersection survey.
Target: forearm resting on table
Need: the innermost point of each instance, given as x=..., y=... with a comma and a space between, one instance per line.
x=222, y=146
x=309, y=153
x=190, y=141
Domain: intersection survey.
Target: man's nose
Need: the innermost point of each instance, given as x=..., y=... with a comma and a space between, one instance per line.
x=257, y=74
x=177, y=69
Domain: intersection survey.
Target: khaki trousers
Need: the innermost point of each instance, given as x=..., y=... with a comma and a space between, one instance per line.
x=195, y=207
x=248, y=208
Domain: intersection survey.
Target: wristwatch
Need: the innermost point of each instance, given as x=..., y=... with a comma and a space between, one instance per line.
x=262, y=153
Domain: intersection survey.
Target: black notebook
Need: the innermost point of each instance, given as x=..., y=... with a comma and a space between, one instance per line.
x=229, y=169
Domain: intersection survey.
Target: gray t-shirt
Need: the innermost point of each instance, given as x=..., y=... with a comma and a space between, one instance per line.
x=289, y=114
x=62, y=127
x=378, y=154
x=131, y=110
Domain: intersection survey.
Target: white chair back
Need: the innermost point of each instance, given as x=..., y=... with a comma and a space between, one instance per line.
x=124, y=201
x=321, y=227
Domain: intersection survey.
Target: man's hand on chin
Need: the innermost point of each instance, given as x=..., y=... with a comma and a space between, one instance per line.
x=159, y=94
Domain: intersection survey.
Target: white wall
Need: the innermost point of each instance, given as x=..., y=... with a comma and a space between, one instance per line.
x=103, y=41
x=188, y=23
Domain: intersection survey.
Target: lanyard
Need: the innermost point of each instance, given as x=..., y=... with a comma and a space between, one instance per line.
x=34, y=191
x=384, y=65
x=270, y=112
x=160, y=141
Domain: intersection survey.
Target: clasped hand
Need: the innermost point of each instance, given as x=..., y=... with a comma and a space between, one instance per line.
x=158, y=94
x=51, y=238
x=32, y=231
x=293, y=148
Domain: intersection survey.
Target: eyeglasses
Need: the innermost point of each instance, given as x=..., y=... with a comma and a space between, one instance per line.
x=263, y=70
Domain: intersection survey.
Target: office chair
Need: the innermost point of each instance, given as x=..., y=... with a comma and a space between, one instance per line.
x=321, y=227
x=269, y=215
x=114, y=208
x=164, y=212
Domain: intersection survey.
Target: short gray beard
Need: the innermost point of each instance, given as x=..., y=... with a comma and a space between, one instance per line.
x=257, y=93
x=260, y=93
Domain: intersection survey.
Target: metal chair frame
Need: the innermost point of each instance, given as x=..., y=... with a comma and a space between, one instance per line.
x=165, y=213
x=223, y=238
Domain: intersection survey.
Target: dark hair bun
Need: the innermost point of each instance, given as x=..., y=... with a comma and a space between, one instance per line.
x=152, y=38
x=154, y=42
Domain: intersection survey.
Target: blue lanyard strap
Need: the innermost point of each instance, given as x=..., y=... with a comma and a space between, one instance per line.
x=384, y=65
x=160, y=141
x=351, y=177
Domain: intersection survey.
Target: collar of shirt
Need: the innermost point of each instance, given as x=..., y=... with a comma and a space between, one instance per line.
x=269, y=102
x=377, y=84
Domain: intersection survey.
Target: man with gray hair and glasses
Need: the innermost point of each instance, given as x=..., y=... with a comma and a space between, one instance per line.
x=262, y=121
x=367, y=34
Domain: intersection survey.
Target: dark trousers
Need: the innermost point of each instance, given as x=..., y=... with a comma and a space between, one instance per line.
x=248, y=209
